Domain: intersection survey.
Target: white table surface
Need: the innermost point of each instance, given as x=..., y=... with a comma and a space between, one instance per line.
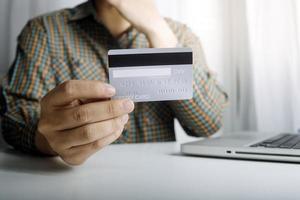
x=145, y=171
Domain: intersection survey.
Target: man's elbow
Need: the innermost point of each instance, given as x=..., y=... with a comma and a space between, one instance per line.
x=206, y=128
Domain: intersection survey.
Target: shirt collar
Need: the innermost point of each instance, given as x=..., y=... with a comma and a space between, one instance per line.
x=83, y=10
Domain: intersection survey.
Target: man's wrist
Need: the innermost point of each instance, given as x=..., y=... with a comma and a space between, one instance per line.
x=161, y=35
x=42, y=145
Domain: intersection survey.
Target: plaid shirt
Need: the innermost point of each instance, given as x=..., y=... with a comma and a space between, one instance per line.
x=72, y=44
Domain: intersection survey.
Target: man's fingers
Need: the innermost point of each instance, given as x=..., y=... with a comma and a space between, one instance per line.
x=91, y=113
x=79, y=154
x=92, y=132
x=71, y=90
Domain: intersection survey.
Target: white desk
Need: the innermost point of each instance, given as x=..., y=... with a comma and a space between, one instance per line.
x=145, y=171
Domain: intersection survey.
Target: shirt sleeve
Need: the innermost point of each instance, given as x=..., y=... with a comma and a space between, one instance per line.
x=27, y=81
x=202, y=115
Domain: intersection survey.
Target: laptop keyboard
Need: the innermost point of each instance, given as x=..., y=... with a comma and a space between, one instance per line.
x=284, y=141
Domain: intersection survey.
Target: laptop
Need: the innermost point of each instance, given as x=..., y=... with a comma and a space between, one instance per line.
x=283, y=147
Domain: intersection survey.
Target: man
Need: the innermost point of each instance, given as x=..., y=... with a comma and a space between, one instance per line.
x=56, y=100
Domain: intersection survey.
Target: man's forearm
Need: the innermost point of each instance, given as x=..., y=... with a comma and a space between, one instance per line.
x=161, y=36
x=43, y=145
x=18, y=135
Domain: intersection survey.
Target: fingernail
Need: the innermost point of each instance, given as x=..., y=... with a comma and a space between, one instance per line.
x=128, y=105
x=125, y=119
x=110, y=90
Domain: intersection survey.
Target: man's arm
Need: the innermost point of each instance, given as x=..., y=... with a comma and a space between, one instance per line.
x=73, y=120
x=202, y=115
x=28, y=79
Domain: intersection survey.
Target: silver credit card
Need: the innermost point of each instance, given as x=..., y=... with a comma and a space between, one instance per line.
x=152, y=74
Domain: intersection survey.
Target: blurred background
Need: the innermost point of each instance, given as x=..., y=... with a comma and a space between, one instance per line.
x=253, y=46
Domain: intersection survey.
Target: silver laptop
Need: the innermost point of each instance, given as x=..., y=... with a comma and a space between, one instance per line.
x=283, y=147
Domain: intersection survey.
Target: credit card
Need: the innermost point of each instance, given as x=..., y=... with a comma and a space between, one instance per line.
x=152, y=74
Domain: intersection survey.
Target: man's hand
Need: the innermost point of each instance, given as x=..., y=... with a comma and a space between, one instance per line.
x=76, y=130
x=144, y=15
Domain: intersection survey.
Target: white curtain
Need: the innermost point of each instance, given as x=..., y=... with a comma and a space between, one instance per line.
x=252, y=45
